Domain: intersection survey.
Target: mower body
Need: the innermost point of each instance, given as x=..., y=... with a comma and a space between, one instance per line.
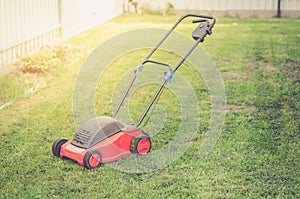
x=101, y=140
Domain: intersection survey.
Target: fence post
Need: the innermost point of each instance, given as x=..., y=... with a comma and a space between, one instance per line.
x=59, y=10
x=126, y=5
x=279, y=9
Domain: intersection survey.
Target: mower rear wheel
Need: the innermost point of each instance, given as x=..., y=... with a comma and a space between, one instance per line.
x=56, y=146
x=141, y=144
x=92, y=159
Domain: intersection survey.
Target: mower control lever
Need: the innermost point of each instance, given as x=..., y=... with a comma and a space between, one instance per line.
x=203, y=29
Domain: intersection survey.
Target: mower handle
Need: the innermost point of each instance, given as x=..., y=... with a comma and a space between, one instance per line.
x=202, y=17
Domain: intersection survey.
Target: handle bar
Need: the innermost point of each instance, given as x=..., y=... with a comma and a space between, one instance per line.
x=176, y=24
x=203, y=18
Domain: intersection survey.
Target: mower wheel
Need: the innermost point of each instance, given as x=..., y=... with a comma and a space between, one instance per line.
x=56, y=146
x=141, y=144
x=92, y=159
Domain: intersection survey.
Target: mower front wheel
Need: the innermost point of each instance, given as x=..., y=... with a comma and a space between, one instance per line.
x=141, y=144
x=56, y=146
x=92, y=159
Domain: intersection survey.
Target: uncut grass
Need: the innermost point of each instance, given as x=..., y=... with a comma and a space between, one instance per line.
x=256, y=156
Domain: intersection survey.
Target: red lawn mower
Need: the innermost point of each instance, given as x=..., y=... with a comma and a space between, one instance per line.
x=106, y=139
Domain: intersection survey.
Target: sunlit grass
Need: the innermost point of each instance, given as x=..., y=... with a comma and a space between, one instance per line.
x=257, y=155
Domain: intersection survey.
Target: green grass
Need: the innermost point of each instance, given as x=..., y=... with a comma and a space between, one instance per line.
x=257, y=155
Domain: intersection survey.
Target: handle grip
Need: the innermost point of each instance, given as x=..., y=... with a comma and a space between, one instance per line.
x=203, y=18
x=200, y=21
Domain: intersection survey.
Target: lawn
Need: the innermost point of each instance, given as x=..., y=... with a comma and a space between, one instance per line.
x=257, y=155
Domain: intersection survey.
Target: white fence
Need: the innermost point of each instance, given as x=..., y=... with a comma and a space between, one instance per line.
x=79, y=15
x=225, y=5
x=26, y=25
x=243, y=8
x=260, y=8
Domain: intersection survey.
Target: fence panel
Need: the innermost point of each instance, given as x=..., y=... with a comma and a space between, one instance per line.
x=292, y=5
x=225, y=5
x=80, y=15
x=26, y=25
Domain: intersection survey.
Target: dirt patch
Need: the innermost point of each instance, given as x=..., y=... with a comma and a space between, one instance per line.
x=48, y=58
x=33, y=70
x=239, y=108
x=269, y=68
x=234, y=75
x=293, y=71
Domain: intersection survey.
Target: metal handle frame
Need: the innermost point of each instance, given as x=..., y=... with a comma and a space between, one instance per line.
x=203, y=18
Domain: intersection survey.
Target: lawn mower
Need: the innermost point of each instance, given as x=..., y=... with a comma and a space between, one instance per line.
x=106, y=139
